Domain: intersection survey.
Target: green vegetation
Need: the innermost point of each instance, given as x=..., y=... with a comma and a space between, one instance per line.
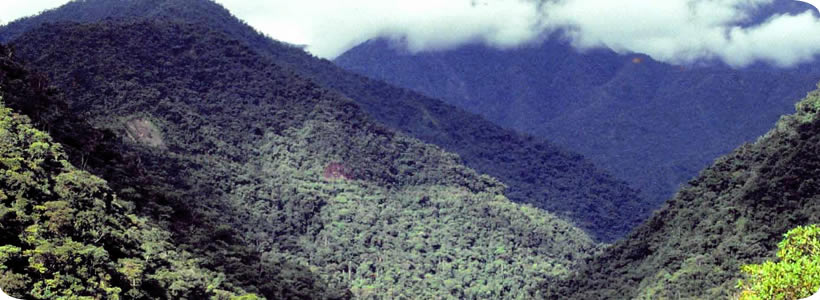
x=535, y=172
x=287, y=189
x=733, y=214
x=797, y=273
x=104, y=153
x=66, y=235
x=222, y=173
x=651, y=124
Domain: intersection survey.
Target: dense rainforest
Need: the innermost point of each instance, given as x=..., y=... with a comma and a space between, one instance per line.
x=649, y=123
x=535, y=171
x=172, y=273
x=257, y=171
x=163, y=149
x=734, y=213
x=65, y=233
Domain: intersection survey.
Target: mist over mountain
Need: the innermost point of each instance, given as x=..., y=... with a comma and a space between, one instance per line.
x=535, y=171
x=650, y=123
x=164, y=149
x=735, y=32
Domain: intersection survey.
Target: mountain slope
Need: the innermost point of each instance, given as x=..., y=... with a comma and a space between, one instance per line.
x=651, y=124
x=55, y=217
x=535, y=171
x=159, y=267
x=66, y=234
x=733, y=214
x=261, y=160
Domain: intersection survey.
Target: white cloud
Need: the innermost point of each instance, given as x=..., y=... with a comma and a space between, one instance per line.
x=783, y=40
x=676, y=31
x=685, y=31
x=15, y=9
x=332, y=27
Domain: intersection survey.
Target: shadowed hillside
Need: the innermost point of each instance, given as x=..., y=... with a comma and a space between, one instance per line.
x=733, y=214
x=652, y=124
x=159, y=268
x=535, y=171
x=65, y=233
x=262, y=167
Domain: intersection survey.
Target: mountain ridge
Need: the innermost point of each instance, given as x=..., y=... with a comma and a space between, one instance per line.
x=273, y=170
x=536, y=171
x=55, y=215
x=734, y=213
x=648, y=123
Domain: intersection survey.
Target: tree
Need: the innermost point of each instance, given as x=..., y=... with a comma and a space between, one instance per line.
x=796, y=275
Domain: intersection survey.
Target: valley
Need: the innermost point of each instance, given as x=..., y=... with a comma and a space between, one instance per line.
x=166, y=149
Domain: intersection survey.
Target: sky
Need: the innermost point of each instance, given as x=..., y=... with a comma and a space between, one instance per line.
x=674, y=31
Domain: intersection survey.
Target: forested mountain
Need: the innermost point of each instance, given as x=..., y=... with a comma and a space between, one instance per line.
x=652, y=124
x=257, y=171
x=167, y=271
x=734, y=213
x=535, y=171
x=171, y=152
x=65, y=233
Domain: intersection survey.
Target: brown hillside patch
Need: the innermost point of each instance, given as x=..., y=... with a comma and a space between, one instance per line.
x=336, y=171
x=143, y=131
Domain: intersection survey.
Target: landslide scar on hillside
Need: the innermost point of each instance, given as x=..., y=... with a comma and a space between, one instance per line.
x=143, y=131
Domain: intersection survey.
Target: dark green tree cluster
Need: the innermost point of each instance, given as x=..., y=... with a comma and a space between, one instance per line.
x=102, y=152
x=418, y=240
x=536, y=172
x=652, y=124
x=733, y=214
x=231, y=154
x=65, y=235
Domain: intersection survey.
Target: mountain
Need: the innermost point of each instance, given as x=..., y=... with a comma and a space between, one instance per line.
x=535, y=171
x=65, y=233
x=734, y=213
x=649, y=123
x=253, y=168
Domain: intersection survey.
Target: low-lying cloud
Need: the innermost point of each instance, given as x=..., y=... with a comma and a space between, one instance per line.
x=332, y=27
x=675, y=31
x=679, y=31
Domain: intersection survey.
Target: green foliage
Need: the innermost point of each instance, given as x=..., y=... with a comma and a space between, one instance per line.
x=810, y=107
x=103, y=153
x=66, y=234
x=733, y=214
x=416, y=241
x=240, y=183
x=652, y=124
x=795, y=275
x=536, y=172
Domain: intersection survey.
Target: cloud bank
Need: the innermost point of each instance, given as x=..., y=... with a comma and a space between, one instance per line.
x=680, y=31
x=332, y=27
x=675, y=31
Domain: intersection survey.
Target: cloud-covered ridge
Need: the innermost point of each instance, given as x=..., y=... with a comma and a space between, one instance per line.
x=332, y=27
x=679, y=31
x=675, y=31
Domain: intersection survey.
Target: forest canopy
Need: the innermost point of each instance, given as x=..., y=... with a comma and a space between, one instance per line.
x=240, y=178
